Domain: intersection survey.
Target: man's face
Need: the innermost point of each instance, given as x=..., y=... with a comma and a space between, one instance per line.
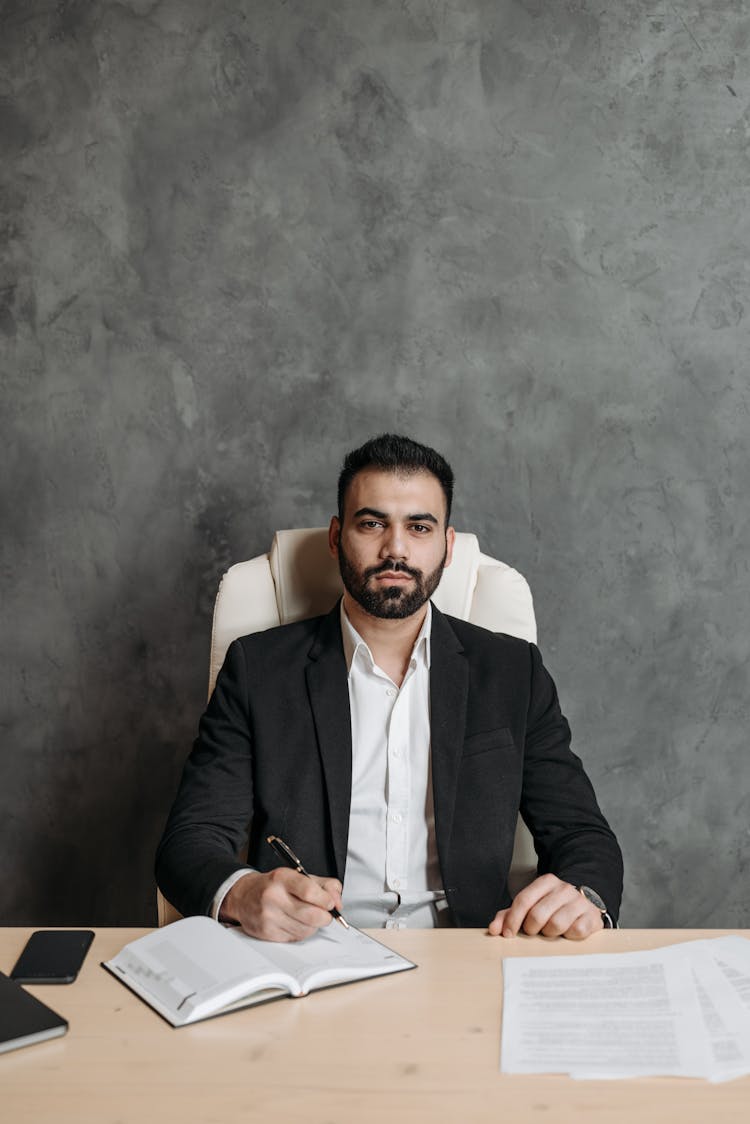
x=393, y=543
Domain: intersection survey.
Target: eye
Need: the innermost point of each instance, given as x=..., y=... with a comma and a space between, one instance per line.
x=370, y=524
x=421, y=528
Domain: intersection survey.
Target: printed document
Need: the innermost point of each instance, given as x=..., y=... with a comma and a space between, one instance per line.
x=683, y=1011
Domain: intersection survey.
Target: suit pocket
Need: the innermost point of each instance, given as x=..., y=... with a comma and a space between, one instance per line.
x=486, y=740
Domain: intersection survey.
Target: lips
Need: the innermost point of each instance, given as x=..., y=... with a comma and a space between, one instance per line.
x=399, y=573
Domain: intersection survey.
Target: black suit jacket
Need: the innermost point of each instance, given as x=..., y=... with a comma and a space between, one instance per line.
x=273, y=755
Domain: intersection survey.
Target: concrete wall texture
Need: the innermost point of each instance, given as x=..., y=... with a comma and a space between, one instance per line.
x=239, y=237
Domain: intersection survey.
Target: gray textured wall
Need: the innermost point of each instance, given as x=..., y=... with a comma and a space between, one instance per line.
x=238, y=238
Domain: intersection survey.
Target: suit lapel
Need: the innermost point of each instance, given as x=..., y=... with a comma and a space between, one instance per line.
x=449, y=687
x=328, y=691
x=329, y=699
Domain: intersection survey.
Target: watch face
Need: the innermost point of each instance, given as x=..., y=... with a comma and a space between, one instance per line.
x=593, y=897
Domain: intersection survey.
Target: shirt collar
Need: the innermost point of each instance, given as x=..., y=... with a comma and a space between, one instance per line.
x=353, y=642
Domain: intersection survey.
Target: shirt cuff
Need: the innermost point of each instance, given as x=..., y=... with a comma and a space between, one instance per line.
x=226, y=886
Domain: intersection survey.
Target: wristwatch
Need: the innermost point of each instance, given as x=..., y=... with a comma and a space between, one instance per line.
x=592, y=896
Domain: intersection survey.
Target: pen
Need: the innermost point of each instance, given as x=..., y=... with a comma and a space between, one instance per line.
x=285, y=852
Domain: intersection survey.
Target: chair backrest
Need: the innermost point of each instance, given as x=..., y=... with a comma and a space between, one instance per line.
x=298, y=578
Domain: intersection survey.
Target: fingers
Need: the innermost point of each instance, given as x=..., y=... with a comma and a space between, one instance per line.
x=550, y=907
x=495, y=927
x=282, y=905
x=515, y=916
x=333, y=887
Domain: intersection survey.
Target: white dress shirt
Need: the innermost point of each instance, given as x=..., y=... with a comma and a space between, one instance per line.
x=392, y=873
x=392, y=878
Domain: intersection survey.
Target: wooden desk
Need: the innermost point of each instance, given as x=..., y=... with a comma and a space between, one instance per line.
x=420, y=1047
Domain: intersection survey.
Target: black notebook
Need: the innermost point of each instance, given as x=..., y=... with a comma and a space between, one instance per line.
x=24, y=1019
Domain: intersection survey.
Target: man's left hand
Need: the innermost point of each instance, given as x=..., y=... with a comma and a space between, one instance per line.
x=550, y=907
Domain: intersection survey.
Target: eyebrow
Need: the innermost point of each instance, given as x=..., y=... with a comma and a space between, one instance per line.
x=423, y=517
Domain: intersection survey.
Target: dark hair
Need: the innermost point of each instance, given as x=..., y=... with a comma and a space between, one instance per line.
x=400, y=455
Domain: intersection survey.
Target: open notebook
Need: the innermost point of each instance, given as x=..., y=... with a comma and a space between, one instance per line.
x=197, y=968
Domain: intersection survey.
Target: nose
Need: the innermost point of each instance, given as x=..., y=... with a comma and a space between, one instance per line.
x=394, y=544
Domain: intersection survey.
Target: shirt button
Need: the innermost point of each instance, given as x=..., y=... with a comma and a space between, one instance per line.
x=396, y=751
x=396, y=817
x=396, y=883
x=391, y=692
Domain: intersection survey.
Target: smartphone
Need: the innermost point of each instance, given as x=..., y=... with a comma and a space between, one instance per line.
x=52, y=956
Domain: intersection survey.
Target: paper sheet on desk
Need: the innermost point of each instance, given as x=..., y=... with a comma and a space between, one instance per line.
x=679, y=1011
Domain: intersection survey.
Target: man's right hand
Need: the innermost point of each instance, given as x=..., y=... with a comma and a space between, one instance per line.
x=282, y=905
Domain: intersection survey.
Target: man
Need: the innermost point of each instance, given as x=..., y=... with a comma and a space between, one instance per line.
x=391, y=747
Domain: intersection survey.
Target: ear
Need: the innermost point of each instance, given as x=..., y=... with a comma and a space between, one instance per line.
x=450, y=539
x=334, y=532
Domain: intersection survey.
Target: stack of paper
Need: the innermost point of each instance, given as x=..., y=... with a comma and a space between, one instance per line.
x=683, y=1010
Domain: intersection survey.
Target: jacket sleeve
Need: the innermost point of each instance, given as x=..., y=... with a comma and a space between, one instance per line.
x=207, y=827
x=572, y=838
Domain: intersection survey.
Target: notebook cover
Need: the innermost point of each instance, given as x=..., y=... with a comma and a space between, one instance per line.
x=24, y=1019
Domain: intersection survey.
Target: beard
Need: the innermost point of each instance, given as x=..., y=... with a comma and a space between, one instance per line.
x=390, y=602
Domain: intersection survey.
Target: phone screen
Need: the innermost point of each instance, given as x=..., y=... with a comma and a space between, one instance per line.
x=52, y=956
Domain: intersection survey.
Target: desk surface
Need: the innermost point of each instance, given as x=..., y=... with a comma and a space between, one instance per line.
x=422, y=1046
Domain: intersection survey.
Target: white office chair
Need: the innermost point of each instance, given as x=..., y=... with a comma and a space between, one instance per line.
x=300, y=579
